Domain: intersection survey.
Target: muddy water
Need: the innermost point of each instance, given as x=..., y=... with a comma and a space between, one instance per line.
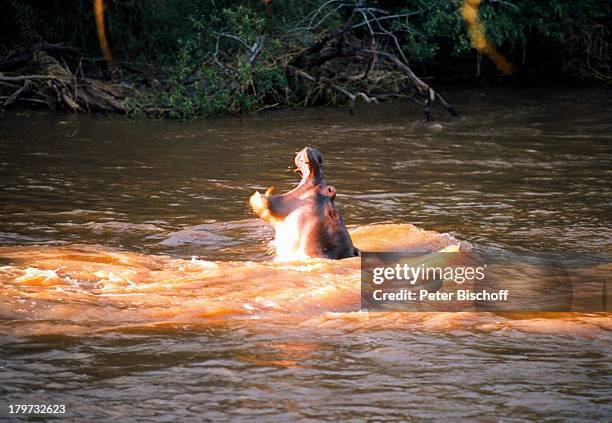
x=135, y=282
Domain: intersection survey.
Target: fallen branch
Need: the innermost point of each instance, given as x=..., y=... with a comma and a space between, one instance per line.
x=11, y=99
x=55, y=85
x=330, y=61
x=352, y=97
x=424, y=88
x=14, y=61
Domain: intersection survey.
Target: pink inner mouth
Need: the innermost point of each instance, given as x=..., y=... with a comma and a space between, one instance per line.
x=308, y=168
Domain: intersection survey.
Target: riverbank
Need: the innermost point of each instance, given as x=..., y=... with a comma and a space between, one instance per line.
x=187, y=60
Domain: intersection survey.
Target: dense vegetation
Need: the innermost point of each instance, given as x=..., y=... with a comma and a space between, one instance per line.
x=191, y=58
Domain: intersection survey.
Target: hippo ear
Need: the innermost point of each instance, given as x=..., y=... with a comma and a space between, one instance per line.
x=269, y=191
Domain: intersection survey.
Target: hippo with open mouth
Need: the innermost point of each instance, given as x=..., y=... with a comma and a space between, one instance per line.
x=306, y=222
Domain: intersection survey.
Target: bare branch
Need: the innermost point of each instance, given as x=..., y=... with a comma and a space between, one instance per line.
x=382, y=18
x=352, y=97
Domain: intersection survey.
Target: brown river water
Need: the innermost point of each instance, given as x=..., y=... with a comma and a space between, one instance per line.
x=135, y=283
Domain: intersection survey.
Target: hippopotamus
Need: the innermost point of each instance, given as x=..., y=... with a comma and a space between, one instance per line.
x=306, y=221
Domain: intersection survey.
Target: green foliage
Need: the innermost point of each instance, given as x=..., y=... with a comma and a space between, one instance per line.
x=556, y=38
x=571, y=35
x=202, y=50
x=197, y=84
x=434, y=26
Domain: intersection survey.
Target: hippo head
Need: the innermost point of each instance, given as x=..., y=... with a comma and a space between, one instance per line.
x=306, y=221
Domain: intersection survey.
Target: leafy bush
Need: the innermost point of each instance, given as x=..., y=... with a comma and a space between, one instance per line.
x=182, y=53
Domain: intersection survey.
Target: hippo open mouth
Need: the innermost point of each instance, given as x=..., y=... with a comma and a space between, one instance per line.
x=309, y=163
x=306, y=221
